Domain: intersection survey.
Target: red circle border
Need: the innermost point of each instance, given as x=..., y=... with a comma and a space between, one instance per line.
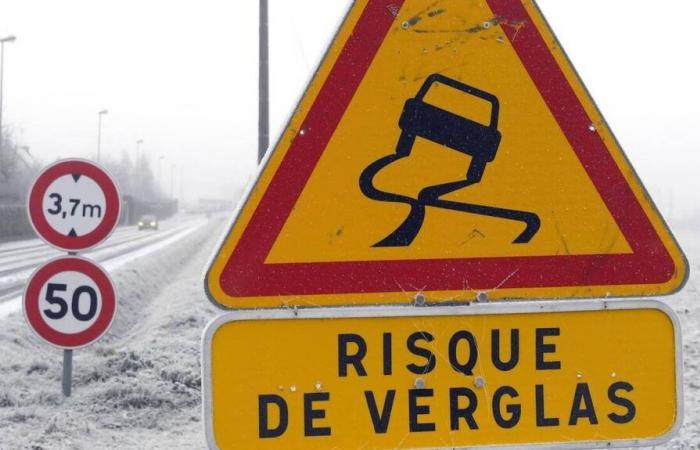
x=69, y=167
x=64, y=264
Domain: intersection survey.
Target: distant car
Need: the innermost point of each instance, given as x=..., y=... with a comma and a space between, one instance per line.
x=148, y=223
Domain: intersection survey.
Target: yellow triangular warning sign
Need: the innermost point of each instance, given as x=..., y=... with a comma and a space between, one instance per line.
x=444, y=147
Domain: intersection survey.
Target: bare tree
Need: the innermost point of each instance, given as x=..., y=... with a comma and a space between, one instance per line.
x=17, y=169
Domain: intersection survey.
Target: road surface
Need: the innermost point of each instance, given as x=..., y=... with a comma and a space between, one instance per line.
x=19, y=259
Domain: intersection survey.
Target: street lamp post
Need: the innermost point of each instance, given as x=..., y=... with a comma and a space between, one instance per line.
x=172, y=180
x=160, y=160
x=99, y=131
x=182, y=184
x=138, y=169
x=25, y=148
x=6, y=39
x=138, y=148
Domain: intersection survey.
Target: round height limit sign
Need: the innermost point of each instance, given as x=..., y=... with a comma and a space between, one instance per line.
x=70, y=302
x=74, y=205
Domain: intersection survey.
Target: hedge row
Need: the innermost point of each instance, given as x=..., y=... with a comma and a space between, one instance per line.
x=14, y=222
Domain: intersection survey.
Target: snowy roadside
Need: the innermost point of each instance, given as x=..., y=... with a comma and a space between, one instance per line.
x=112, y=261
x=687, y=305
x=139, y=387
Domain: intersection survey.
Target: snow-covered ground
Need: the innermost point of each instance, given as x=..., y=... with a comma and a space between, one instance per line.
x=127, y=244
x=687, y=305
x=139, y=387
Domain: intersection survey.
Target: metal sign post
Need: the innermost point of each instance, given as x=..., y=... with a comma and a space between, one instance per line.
x=263, y=82
x=67, y=379
x=67, y=372
x=69, y=302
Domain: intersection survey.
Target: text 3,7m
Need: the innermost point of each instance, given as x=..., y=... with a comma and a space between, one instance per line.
x=74, y=209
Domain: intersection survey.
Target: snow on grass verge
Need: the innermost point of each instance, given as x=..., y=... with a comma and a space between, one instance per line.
x=139, y=387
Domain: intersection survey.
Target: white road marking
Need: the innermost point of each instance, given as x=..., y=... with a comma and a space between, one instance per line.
x=15, y=304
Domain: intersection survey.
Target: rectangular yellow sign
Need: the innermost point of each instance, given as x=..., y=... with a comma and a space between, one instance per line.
x=574, y=375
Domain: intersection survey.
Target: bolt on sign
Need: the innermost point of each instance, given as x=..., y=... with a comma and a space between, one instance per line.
x=446, y=147
x=444, y=377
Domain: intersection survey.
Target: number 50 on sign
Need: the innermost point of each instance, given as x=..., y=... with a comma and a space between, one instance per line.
x=70, y=302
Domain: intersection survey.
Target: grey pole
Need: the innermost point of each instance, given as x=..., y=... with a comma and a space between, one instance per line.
x=160, y=160
x=99, y=135
x=2, y=66
x=182, y=184
x=264, y=84
x=138, y=150
x=172, y=180
x=138, y=174
x=99, y=131
x=67, y=372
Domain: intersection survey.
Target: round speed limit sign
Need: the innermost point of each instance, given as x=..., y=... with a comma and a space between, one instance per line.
x=74, y=205
x=70, y=302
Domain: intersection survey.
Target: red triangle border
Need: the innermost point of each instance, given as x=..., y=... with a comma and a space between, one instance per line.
x=247, y=275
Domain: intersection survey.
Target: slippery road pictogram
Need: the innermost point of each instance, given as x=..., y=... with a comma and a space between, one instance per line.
x=481, y=142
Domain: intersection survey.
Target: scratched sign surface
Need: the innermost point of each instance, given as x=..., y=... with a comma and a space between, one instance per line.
x=443, y=377
x=445, y=147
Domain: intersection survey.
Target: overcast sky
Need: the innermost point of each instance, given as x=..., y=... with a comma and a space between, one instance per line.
x=182, y=76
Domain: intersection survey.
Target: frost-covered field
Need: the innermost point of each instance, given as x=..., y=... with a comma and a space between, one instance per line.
x=139, y=388
x=687, y=305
